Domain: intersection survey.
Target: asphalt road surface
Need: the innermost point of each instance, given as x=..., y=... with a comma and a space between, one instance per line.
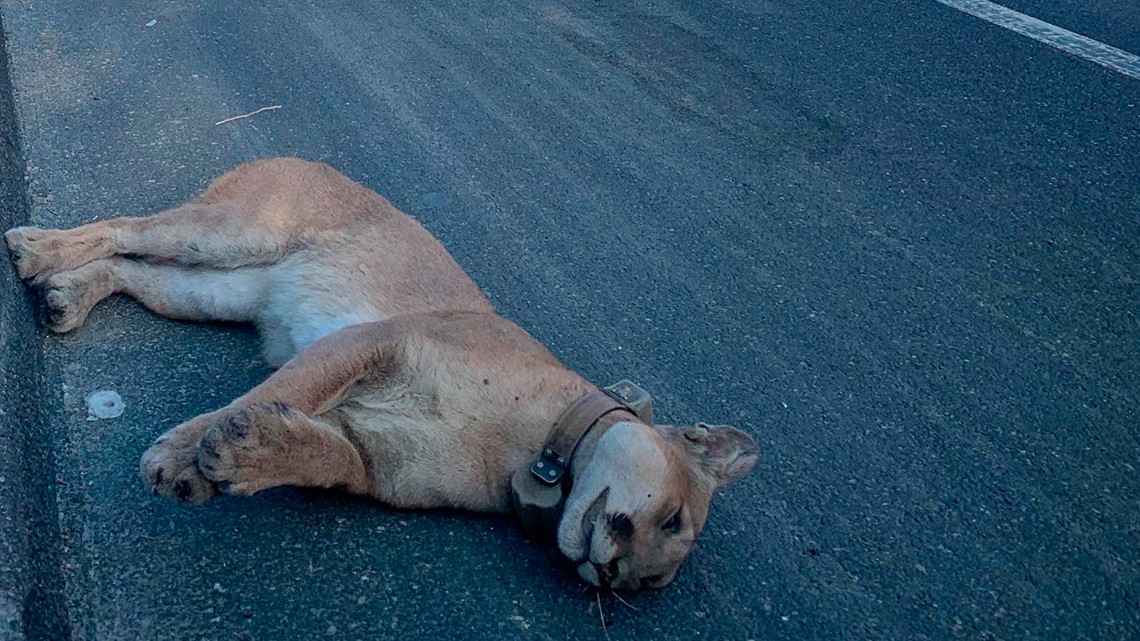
x=896, y=243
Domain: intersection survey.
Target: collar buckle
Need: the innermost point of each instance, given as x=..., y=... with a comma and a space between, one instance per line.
x=550, y=467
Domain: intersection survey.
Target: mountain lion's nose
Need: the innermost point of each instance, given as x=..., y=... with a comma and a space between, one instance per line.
x=607, y=573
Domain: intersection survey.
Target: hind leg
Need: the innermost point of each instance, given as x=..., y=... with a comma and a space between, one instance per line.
x=173, y=291
x=254, y=214
x=221, y=236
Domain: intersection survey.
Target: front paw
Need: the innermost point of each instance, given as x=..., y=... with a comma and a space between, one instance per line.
x=238, y=452
x=170, y=467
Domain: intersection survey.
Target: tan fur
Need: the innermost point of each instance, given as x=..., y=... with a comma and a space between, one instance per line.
x=397, y=379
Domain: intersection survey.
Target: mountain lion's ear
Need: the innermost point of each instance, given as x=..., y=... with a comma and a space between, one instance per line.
x=722, y=451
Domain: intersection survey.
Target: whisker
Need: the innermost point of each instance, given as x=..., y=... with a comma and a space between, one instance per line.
x=627, y=604
x=602, y=616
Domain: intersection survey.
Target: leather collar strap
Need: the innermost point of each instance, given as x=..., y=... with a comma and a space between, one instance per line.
x=568, y=430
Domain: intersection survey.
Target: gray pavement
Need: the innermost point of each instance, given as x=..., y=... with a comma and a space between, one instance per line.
x=897, y=244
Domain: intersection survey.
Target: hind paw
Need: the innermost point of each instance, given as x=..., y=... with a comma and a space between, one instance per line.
x=37, y=253
x=31, y=253
x=70, y=296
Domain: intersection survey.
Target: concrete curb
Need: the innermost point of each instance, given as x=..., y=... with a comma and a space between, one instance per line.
x=32, y=605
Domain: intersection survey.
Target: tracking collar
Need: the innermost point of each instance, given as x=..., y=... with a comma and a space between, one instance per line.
x=539, y=491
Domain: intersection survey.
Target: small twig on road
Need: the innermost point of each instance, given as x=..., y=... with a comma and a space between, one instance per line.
x=252, y=113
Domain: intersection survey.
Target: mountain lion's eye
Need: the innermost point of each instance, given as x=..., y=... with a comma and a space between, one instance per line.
x=673, y=525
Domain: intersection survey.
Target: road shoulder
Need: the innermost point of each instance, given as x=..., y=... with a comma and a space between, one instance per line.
x=31, y=602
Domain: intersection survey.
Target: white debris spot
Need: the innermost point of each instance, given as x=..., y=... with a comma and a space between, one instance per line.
x=104, y=404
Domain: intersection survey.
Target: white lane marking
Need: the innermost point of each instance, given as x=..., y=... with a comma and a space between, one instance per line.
x=1063, y=39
